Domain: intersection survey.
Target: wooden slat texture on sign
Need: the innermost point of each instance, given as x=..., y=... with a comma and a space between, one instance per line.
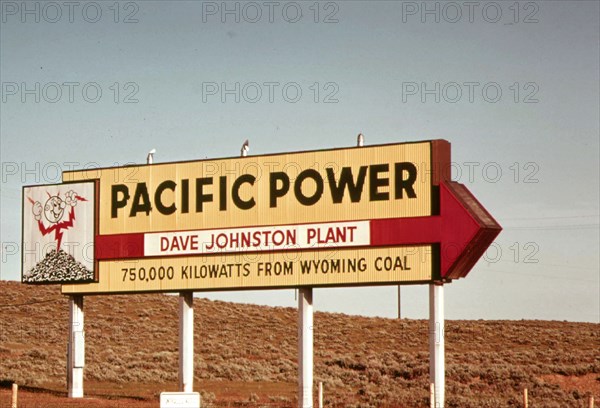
x=287, y=210
x=339, y=267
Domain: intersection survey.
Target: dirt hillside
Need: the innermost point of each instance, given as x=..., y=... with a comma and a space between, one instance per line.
x=245, y=355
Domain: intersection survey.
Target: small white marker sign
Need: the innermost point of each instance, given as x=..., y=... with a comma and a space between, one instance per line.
x=179, y=400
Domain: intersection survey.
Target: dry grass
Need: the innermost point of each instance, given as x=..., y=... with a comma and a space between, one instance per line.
x=246, y=355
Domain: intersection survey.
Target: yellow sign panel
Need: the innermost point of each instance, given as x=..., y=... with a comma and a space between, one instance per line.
x=173, y=226
x=264, y=270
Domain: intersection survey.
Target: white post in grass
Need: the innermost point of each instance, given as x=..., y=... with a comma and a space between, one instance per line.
x=15, y=392
x=320, y=394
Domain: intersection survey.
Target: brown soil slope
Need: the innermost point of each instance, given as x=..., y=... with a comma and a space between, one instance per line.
x=246, y=355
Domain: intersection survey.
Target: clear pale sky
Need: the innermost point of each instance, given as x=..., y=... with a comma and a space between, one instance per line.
x=517, y=89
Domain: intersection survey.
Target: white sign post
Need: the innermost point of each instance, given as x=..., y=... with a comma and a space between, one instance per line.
x=399, y=303
x=186, y=341
x=76, y=347
x=305, y=348
x=436, y=342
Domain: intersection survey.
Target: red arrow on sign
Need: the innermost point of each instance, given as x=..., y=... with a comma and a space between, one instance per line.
x=464, y=230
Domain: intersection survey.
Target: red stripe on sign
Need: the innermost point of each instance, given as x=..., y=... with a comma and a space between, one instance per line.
x=119, y=246
x=405, y=231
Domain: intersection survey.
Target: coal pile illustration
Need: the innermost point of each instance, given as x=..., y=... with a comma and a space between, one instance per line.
x=58, y=267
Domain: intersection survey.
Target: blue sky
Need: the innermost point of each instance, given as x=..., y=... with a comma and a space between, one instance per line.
x=514, y=86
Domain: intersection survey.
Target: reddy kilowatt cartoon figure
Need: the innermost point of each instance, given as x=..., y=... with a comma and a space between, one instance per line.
x=52, y=219
x=54, y=210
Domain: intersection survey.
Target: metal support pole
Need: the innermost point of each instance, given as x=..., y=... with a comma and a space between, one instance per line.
x=436, y=342
x=186, y=341
x=305, y=348
x=75, y=347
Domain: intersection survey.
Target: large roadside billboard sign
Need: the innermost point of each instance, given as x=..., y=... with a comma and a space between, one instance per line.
x=384, y=214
